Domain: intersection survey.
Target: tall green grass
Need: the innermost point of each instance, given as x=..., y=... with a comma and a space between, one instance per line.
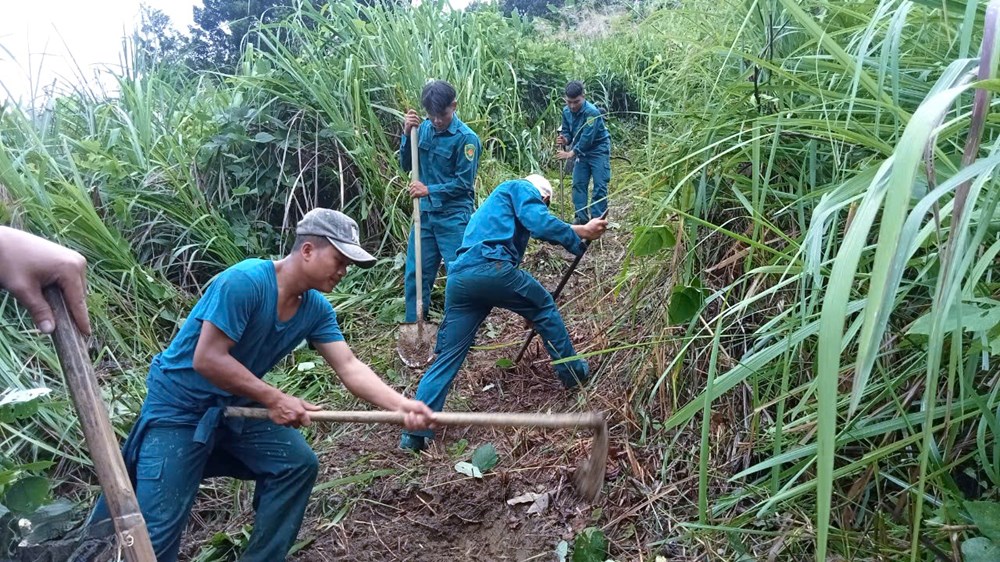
x=860, y=203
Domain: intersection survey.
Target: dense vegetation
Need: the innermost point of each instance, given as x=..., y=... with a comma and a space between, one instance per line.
x=811, y=202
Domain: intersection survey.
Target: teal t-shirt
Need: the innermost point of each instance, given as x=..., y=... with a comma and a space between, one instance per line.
x=242, y=302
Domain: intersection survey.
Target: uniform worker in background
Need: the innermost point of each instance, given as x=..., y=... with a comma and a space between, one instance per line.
x=251, y=316
x=586, y=140
x=485, y=275
x=449, y=158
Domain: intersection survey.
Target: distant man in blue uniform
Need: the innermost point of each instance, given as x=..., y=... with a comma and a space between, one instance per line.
x=485, y=275
x=251, y=316
x=586, y=140
x=449, y=158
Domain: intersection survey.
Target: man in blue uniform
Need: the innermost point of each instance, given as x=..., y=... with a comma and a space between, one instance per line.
x=586, y=140
x=251, y=316
x=485, y=274
x=449, y=158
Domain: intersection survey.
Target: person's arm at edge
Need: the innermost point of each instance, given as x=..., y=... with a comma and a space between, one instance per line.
x=29, y=263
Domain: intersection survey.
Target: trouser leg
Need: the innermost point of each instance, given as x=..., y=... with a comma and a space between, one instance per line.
x=284, y=467
x=463, y=315
x=581, y=192
x=532, y=301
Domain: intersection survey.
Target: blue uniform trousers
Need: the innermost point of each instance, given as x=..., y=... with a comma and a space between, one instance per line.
x=171, y=464
x=440, y=238
x=470, y=295
x=598, y=167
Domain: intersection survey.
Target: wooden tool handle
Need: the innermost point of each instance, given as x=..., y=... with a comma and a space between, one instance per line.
x=101, y=442
x=489, y=419
x=417, y=254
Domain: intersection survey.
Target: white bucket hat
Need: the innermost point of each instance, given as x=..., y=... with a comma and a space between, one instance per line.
x=541, y=184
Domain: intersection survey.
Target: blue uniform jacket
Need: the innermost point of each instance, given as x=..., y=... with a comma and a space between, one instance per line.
x=448, y=164
x=500, y=229
x=585, y=131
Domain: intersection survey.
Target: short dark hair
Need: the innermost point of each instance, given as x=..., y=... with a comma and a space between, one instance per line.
x=574, y=89
x=437, y=96
x=318, y=241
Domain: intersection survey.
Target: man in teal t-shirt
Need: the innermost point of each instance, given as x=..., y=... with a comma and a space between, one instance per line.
x=250, y=317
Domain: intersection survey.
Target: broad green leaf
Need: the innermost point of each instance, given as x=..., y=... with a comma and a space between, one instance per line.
x=263, y=137
x=20, y=404
x=485, y=457
x=504, y=363
x=31, y=466
x=986, y=516
x=685, y=302
x=26, y=495
x=590, y=546
x=651, y=239
x=980, y=549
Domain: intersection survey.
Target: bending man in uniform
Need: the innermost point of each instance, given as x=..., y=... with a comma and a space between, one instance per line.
x=449, y=158
x=589, y=144
x=485, y=274
x=250, y=317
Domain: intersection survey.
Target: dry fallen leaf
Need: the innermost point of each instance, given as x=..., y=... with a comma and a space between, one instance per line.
x=539, y=502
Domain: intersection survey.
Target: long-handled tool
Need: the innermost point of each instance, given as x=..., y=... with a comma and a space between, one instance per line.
x=561, y=145
x=416, y=339
x=133, y=536
x=587, y=480
x=555, y=294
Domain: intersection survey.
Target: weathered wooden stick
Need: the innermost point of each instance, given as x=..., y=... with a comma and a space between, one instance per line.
x=489, y=419
x=86, y=394
x=589, y=477
x=417, y=233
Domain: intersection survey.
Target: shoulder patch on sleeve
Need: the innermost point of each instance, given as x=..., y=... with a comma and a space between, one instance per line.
x=590, y=120
x=470, y=151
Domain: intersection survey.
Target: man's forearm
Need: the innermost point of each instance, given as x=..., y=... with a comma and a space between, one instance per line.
x=365, y=384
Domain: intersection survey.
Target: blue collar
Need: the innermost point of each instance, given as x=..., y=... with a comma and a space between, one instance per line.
x=452, y=127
